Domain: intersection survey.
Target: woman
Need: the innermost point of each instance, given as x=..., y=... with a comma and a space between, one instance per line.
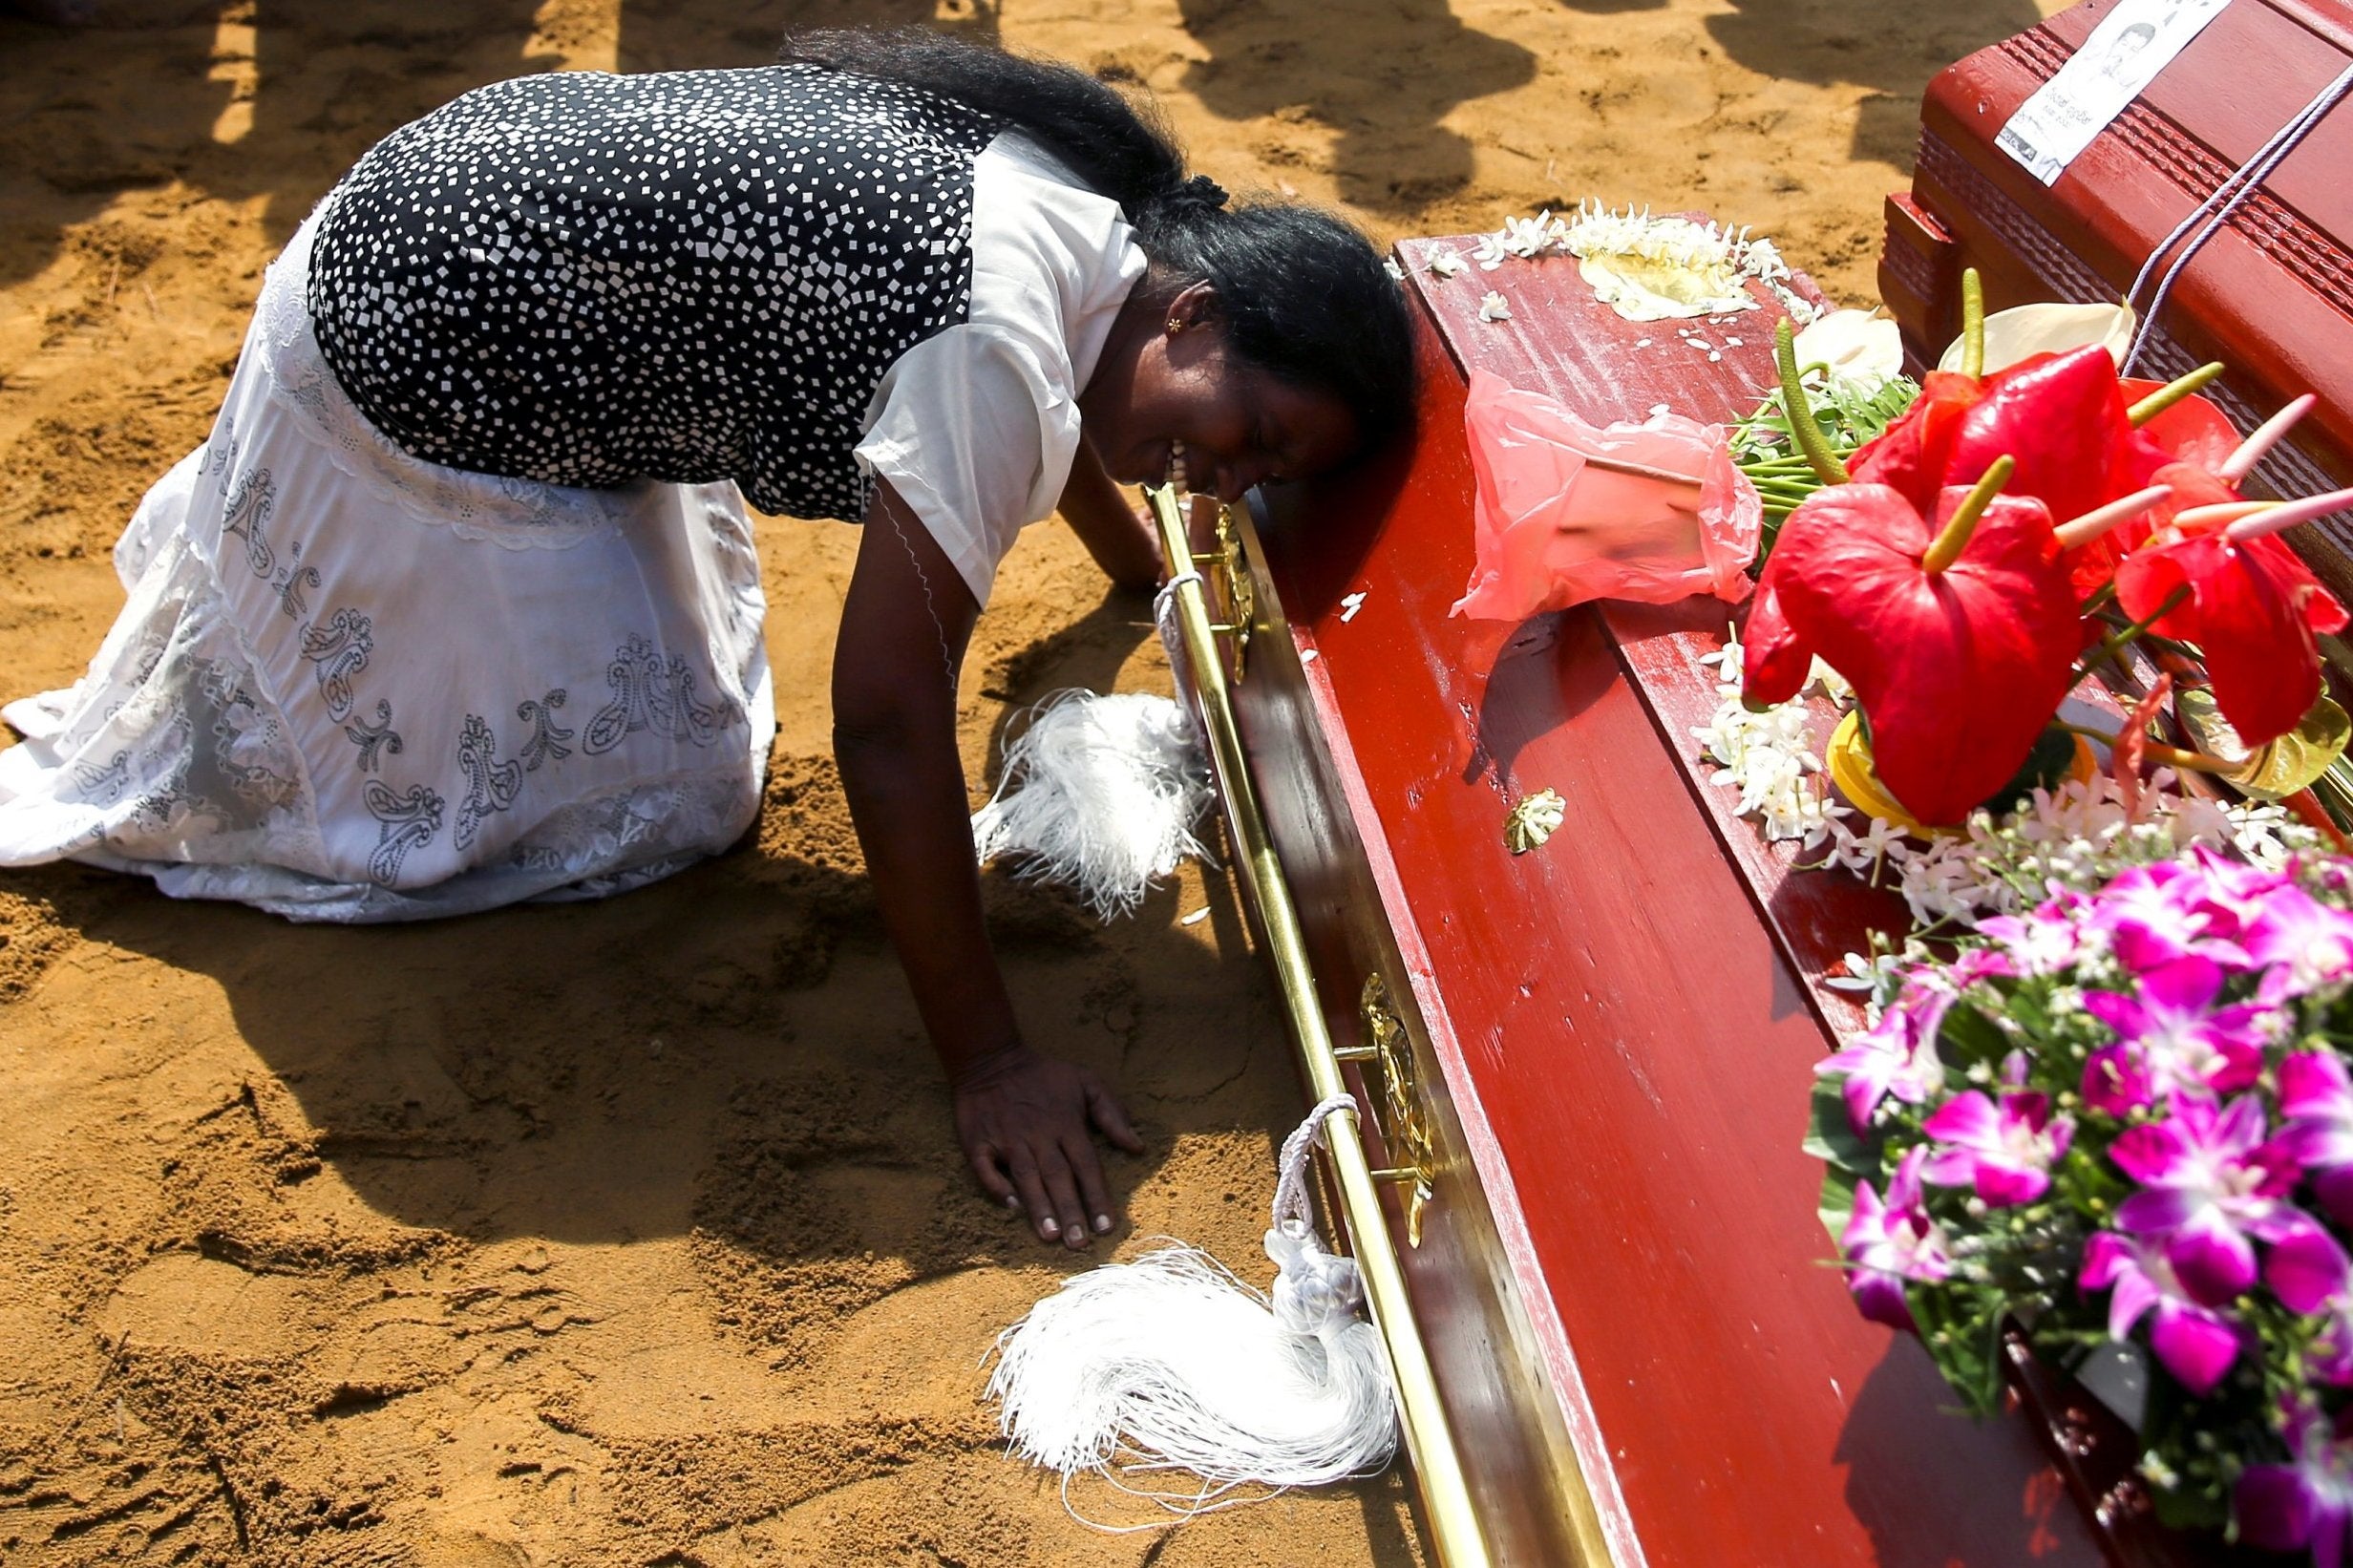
x=457, y=605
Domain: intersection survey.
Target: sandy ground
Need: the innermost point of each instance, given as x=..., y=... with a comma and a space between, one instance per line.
x=632, y=1234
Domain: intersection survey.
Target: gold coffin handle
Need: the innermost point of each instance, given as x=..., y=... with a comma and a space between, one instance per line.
x=1401, y=1115
x=1233, y=585
x=1430, y=1440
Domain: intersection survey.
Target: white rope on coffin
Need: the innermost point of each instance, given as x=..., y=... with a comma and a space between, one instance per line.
x=2223, y=201
x=1099, y=792
x=1172, y=1364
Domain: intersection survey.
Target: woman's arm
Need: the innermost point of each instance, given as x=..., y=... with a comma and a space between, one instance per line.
x=1023, y=1118
x=1097, y=511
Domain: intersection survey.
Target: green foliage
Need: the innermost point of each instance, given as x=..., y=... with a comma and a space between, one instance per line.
x=1846, y=1156
x=1848, y=415
x=1849, y=419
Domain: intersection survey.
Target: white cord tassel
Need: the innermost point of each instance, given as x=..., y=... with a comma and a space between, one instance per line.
x=1101, y=793
x=1171, y=1363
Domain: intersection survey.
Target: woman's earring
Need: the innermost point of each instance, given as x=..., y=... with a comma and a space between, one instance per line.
x=1174, y=326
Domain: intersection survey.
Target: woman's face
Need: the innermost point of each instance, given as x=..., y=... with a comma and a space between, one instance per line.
x=1167, y=383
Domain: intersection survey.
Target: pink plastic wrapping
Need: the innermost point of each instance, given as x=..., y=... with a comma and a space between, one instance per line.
x=1555, y=529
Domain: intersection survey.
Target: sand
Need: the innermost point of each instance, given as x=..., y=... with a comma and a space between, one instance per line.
x=634, y=1233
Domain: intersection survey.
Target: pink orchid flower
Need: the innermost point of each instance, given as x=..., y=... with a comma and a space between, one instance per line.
x=2170, y=1037
x=2308, y=1504
x=2316, y=1096
x=1897, y=1056
x=2152, y=915
x=2303, y=941
x=2194, y=1341
x=2005, y=1155
x=2309, y=1272
x=2045, y=941
x=1888, y=1243
x=2211, y=1188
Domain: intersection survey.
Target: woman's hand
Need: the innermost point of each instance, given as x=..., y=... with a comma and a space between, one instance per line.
x=1024, y=1121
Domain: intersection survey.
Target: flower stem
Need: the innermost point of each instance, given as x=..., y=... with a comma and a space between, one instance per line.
x=2173, y=392
x=2133, y=633
x=1642, y=471
x=1955, y=537
x=1972, y=324
x=1799, y=412
x=2171, y=755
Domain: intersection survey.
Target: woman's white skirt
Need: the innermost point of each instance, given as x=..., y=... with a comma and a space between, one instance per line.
x=352, y=686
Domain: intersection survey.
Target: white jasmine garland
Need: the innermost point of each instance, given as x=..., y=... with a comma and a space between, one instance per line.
x=2078, y=836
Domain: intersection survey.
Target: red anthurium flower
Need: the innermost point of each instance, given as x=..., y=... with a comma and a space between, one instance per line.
x=1914, y=453
x=1774, y=659
x=2061, y=416
x=2253, y=608
x=2186, y=447
x=2193, y=431
x=1958, y=669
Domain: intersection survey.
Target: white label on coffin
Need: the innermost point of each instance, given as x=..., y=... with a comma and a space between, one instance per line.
x=2124, y=54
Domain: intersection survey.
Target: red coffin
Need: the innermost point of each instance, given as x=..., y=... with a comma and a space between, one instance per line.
x=1619, y=1274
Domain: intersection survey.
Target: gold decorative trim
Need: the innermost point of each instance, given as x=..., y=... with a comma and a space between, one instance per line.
x=1404, y=1129
x=1234, y=588
x=1455, y=1536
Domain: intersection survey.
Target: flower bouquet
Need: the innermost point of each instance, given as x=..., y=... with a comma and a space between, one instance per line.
x=2123, y=1120
x=1949, y=560
x=2010, y=533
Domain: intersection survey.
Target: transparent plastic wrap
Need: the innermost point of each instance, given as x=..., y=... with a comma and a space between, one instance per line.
x=1568, y=512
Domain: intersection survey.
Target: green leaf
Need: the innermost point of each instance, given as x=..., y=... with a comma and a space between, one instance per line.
x=1972, y=1036
x=1836, y=1204
x=1961, y=1325
x=2189, y=1508
x=1830, y=1136
x=2280, y=768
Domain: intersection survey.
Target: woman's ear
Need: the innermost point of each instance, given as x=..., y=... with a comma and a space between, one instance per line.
x=1195, y=305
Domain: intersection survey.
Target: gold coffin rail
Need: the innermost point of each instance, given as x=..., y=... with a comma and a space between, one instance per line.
x=1429, y=1441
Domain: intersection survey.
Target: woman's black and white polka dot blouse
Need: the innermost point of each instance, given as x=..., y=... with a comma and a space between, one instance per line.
x=588, y=279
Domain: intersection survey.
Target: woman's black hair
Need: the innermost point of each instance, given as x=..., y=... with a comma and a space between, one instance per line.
x=1303, y=293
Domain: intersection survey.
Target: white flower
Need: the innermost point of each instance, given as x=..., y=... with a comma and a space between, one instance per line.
x=1495, y=307
x=1445, y=263
x=1862, y=348
x=1397, y=273
x=2077, y=835
x=1760, y=260
x=1531, y=236
x=1864, y=853
x=2025, y=330
x=1829, y=683
x=1489, y=252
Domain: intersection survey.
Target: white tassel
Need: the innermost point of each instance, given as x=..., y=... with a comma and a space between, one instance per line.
x=1171, y=1363
x=1101, y=793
